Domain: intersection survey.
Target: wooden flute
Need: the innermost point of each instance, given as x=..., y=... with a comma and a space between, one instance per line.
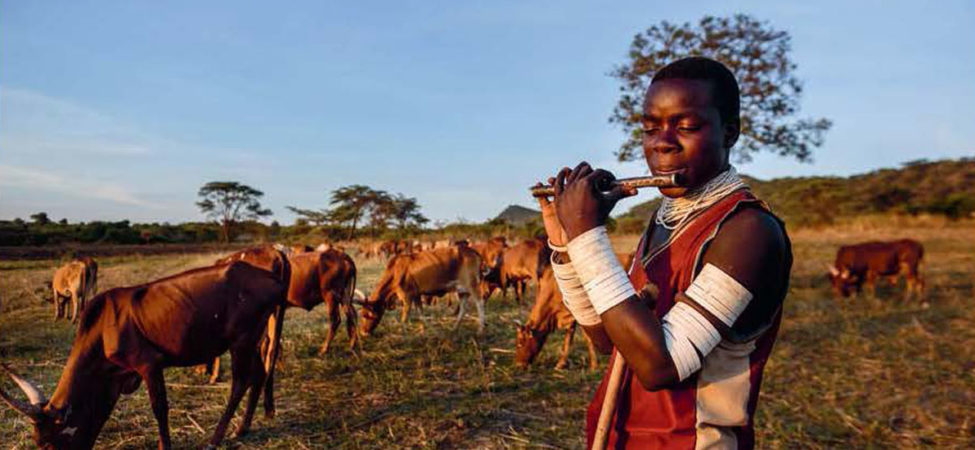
x=657, y=181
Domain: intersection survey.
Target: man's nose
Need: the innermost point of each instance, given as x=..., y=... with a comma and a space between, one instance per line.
x=664, y=141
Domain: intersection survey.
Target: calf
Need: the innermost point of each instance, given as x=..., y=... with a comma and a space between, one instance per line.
x=75, y=281
x=129, y=335
x=862, y=264
x=437, y=272
x=548, y=314
x=522, y=263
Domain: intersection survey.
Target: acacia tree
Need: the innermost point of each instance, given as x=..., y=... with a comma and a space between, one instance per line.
x=407, y=212
x=755, y=52
x=229, y=203
x=350, y=204
x=353, y=205
x=312, y=216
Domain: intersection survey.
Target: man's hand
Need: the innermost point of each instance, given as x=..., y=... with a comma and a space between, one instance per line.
x=556, y=234
x=579, y=205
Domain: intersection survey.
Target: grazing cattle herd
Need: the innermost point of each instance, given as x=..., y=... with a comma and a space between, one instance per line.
x=126, y=336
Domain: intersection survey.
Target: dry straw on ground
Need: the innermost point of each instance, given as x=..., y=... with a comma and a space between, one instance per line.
x=857, y=373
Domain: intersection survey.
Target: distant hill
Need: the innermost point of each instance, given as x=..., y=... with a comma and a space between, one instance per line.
x=518, y=215
x=939, y=187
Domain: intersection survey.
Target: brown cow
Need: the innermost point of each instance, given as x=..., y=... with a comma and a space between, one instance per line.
x=522, y=263
x=437, y=272
x=129, y=335
x=325, y=277
x=313, y=278
x=491, y=252
x=862, y=264
x=548, y=314
x=299, y=249
x=75, y=281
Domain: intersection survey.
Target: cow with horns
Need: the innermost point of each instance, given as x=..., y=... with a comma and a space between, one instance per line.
x=129, y=335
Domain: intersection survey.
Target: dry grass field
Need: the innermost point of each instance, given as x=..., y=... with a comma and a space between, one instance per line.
x=858, y=373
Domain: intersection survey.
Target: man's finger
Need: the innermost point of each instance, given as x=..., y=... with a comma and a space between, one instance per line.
x=559, y=183
x=603, y=179
x=543, y=201
x=618, y=192
x=580, y=171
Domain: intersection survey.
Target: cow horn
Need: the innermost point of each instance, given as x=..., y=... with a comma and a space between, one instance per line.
x=833, y=270
x=31, y=409
x=33, y=393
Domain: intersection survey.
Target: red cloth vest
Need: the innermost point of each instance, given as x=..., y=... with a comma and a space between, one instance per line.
x=666, y=419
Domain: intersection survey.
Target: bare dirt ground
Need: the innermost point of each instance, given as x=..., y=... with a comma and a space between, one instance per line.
x=857, y=373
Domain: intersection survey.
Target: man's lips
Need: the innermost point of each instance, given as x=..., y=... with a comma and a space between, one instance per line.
x=668, y=170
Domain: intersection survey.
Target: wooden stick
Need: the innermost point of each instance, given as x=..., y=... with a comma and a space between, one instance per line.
x=609, y=403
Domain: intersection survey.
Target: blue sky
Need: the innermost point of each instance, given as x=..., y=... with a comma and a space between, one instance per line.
x=112, y=110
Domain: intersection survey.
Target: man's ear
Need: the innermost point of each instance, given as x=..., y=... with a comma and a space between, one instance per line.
x=731, y=132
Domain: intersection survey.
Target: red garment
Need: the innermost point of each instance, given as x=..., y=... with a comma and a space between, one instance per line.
x=710, y=407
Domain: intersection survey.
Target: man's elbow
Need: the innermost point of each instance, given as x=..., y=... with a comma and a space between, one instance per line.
x=656, y=380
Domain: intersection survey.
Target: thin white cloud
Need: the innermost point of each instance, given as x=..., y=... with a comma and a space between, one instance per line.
x=38, y=124
x=28, y=178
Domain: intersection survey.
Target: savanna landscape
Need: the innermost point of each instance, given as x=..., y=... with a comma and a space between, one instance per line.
x=179, y=179
x=853, y=373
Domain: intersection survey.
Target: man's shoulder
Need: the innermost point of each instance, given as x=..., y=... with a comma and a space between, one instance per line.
x=754, y=227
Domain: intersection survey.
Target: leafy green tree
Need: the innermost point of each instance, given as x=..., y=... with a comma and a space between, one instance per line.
x=229, y=203
x=755, y=52
x=310, y=216
x=40, y=218
x=350, y=205
x=407, y=212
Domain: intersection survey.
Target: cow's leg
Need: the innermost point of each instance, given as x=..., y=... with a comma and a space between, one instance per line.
x=256, y=382
x=57, y=305
x=461, y=307
x=241, y=362
x=566, y=346
x=420, y=313
x=214, y=371
x=593, y=359
x=871, y=284
x=348, y=310
x=405, y=313
x=275, y=329
x=334, y=320
x=156, y=386
x=74, y=306
x=919, y=285
x=479, y=302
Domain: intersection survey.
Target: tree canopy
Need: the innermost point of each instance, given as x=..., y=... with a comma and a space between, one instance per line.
x=755, y=52
x=229, y=203
x=354, y=205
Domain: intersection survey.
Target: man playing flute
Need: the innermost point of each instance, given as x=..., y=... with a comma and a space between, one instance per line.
x=712, y=267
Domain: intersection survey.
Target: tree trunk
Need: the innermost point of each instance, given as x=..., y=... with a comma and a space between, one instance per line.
x=225, y=231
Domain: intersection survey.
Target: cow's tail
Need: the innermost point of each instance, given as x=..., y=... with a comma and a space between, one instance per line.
x=284, y=271
x=350, y=288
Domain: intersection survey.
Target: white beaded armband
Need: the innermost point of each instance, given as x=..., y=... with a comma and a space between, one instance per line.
x=599, y=270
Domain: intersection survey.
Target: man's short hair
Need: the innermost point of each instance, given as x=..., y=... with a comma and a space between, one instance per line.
x=725, y=93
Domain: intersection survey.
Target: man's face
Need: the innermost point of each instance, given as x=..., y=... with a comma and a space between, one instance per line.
x=683, y=133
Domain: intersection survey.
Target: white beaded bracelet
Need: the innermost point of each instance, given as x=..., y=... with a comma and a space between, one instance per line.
x=574, y=295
